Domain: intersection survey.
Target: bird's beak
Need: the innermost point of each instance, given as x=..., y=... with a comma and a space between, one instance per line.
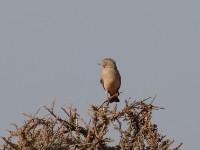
x=99, y=63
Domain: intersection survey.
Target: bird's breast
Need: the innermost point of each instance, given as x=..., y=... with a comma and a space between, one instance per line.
x=111, y=81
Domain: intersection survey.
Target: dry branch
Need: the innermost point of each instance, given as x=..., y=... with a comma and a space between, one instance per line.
x=52, y=132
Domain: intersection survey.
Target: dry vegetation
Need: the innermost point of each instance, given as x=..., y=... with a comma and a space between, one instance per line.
x=52, y=132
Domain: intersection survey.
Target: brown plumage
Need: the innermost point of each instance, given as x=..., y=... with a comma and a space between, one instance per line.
x=110, y=78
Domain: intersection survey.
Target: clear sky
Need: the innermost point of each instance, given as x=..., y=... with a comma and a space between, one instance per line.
x=51, y=48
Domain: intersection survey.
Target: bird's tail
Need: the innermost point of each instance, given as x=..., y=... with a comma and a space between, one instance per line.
x=114, y=99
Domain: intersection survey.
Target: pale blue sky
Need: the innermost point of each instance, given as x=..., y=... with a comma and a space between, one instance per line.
x=51, y=48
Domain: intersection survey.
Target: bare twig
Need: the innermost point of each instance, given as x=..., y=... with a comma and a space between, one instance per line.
x=132, y=122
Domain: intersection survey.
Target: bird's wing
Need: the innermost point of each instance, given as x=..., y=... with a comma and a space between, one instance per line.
x=101, y=81
x=119, y=80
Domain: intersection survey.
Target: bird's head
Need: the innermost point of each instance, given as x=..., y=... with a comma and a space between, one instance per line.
x=108, y=62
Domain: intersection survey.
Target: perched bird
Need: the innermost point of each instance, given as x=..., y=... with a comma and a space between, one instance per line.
x=110, y=78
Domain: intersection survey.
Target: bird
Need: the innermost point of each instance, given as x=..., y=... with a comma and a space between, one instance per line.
x=110, y=79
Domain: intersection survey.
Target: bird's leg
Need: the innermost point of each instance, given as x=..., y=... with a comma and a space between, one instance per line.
x=117, y=94
x=107, y=104
x=107, y=98
x=107, y=94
